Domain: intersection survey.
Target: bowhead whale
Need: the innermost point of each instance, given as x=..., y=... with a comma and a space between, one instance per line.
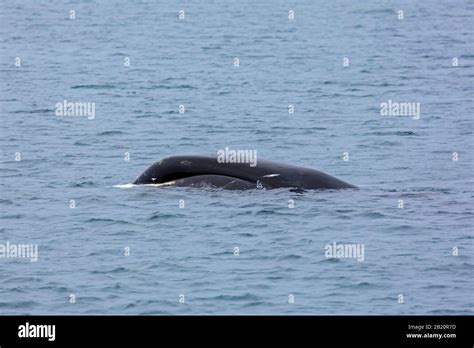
x=206, y=171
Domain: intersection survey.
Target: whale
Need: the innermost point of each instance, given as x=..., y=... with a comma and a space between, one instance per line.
x=207, y=171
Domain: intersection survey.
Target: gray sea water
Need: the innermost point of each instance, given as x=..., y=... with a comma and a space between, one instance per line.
x=135, y=251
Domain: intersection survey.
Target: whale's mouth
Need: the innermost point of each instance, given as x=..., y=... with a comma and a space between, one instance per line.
x=191, y=177
x=208, y=180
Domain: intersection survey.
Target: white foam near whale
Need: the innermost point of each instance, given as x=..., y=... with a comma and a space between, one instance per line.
x=125, y=185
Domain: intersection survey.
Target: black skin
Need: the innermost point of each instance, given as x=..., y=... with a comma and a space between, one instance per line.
x=200, y=171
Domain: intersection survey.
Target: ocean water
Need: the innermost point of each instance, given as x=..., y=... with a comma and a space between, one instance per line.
x=135, y=251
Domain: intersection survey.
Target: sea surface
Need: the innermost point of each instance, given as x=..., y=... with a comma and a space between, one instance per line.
x=107, y=248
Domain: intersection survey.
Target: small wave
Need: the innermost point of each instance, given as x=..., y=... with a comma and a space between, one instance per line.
x=290, y=257
x=244, y=297
x=255, y=304
x=82, y=184
x=270, y=212
x=361, y=285
x=80, y=143
x=8, y=170
x=207, y=48
x=246, y=234
x=330, y=260
x=160, y=216
x=372, y=214
x=35, y=111
x=113, y=132
x=154, y=87
x=100, y=220
x=434, y=286
x=111, y=271
x=451, y=311
x=374, y=11
x=93, y=86
x=23, y=304
x=399, y=133
x=13, y=216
